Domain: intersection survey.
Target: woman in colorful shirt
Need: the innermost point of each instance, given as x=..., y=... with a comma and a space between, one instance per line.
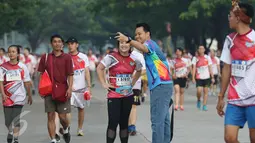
x=14, y=86
x=121, y=66
x=180, y=69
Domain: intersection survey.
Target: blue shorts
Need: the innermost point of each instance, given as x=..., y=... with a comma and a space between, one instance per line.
x=237, y=116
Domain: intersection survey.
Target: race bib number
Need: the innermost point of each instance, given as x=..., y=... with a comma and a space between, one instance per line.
x=202, y=69
x=181, y=72
x=124, y=90
x=238, y=68
x=13, y=75
x=123, y=80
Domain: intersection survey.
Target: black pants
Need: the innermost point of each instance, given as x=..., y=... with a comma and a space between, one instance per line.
x=12, y=115
x=118, y=114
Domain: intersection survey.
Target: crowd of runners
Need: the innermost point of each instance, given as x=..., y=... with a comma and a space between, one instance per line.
x=127, y=73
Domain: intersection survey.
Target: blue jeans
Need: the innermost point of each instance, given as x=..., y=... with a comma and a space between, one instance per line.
x=160, y=98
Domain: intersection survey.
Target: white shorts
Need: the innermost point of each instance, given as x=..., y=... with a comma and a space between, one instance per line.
x=78, y=100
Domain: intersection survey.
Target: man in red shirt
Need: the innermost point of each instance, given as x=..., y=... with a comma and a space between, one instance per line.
x=61, y=74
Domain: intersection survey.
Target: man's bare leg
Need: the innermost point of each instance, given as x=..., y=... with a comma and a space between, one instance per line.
x=231, y=134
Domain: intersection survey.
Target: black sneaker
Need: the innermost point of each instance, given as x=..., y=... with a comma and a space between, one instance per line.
x=9, y=138
x=67, y=137
x=16, y=141
x=57, y=138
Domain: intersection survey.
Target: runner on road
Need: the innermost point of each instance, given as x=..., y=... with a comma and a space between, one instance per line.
x=81, y=76
x=93, y=62
x=238, y=74
x=159, y=80
x=121, y=66
x=137, y=94
x=60, y=69
x=181, y=69
x=14, y=86
x=202, y=71
x=216, y=72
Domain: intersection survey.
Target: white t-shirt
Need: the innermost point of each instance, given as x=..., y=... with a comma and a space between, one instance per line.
x=14, y=77
x=139, y=56
x=80, y=62
x=4, y=59
x=201, y=63
x=180, y=66
x=215, y=64
x=92, y=62
x=238, y=51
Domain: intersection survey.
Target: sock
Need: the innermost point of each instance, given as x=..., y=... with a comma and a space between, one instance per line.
x=53, y=140
x=66, y=130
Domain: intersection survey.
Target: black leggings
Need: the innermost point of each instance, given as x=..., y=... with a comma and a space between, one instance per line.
x=12, y=115
x=118, y=114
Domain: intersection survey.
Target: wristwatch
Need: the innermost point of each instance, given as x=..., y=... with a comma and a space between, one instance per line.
x=129, y=39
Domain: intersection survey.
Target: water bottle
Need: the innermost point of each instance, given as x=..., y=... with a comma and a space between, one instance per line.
x=87, y=98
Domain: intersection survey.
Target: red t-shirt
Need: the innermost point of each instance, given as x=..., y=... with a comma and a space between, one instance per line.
x=62, y=66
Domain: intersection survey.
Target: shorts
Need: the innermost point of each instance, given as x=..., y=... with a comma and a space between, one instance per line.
x=12, y=115
x=136, y=96
x=238, y=116
x=55, y=106
x=77, y=100
x=216, y=80
x=203, y=82
x=181, y=82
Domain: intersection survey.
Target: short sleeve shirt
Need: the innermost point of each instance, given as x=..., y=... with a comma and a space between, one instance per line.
x=157, y=68
x=63, y=66
x=13, y=77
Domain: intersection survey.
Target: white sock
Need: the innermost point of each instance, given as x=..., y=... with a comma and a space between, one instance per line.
x=66, y=130
x=53, y=140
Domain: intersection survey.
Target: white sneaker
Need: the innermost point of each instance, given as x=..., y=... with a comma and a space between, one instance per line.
x=80, y=133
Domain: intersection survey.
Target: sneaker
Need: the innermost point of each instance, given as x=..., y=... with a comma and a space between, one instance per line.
x=133, y=133
x=176, y=108
x=205, y=108
x=199, y=105
x=67, y=136
x=57, y=138
x=80, y=133
x=182, y=108
x=9, y=138
x=16, y=141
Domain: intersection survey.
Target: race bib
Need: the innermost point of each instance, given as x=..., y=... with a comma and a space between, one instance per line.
x=202, y=69
x=123, y=80
x=124, y=90
x=238, y=68
x=13, y=75
x=181, y=72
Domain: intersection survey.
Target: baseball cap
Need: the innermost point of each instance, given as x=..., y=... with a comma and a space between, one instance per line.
x=72, y=40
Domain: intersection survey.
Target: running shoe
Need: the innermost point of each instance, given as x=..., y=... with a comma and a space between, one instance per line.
x=199, y=105
x=182, y=108
x=205, y=108
x=176, y=108
x=67, y=136
x=80, y=133
x=16, y=141
x=133, y=133
x=57, y=138
x=9, y=138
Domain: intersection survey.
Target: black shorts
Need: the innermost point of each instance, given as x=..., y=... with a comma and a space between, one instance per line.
x=136, y=96
x=216, y=81
x=181, y=82
x=203, y=82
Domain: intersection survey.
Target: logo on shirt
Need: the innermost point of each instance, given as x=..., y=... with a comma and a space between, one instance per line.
x=249, y=44
x=132, y=63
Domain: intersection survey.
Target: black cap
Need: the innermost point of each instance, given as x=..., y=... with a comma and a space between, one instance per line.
x=72, y=40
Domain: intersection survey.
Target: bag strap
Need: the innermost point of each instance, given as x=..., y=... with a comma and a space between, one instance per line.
x=51, y=69
x=172, y=121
